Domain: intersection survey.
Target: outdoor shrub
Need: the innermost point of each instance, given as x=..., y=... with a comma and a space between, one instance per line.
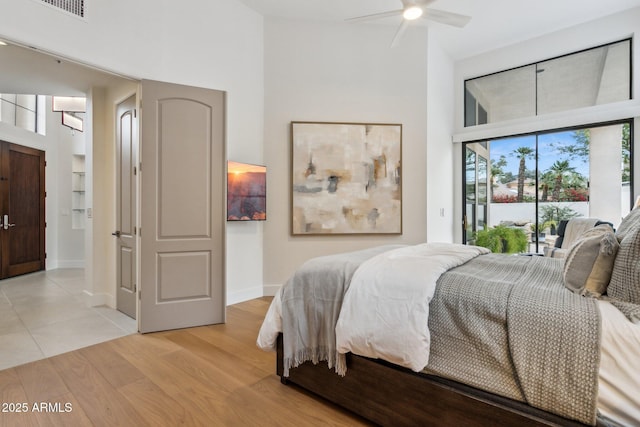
x=556, y=213
x=575, y=195
x=504, y=198
x=502, y=239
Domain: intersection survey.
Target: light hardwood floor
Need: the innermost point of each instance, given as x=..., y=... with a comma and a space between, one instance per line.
x=206, y=376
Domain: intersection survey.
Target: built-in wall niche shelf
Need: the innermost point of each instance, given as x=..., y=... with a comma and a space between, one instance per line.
x=78, y=207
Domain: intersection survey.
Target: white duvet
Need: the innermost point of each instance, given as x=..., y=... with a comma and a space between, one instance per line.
x=386, y=308
x=619, y=376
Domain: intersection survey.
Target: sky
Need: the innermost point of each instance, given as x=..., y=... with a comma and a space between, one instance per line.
x=547, y=156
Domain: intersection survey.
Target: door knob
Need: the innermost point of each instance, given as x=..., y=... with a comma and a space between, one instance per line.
x=6, y=224
x=116, y=233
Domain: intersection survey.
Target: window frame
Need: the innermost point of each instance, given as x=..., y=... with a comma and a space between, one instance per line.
x=535, y=64
x=39, y=113
x=630, y=121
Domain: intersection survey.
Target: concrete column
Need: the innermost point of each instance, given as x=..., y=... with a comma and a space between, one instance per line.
x=605, y=173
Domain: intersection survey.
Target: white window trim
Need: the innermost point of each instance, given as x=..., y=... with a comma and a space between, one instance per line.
x=565, y=119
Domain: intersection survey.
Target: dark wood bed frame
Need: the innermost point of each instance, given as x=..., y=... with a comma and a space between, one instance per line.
x=390, y=395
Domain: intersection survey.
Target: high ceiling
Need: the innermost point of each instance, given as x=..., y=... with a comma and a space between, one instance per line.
x=495, y=23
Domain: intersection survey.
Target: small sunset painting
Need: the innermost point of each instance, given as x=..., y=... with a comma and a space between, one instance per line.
x=246, y=192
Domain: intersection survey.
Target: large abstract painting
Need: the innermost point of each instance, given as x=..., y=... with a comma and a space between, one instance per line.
x=346, y=178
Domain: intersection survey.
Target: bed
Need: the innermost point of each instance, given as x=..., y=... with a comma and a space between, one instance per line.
x=444, y=334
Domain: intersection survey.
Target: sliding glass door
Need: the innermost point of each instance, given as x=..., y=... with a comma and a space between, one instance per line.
x=532, y=182
x=476, y=190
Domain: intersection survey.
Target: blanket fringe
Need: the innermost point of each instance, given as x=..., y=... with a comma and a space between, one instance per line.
x=333, y=359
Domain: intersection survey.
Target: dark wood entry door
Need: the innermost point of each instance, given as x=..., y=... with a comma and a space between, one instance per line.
x=22, y=210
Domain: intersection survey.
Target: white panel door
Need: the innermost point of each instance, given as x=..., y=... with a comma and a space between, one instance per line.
x=126, y=203
x=182, y=236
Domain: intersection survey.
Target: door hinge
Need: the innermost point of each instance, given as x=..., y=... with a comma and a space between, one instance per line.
x=135, y=231
x=135, y=287
x=135, y=113
x=135, y=170
x=140, y=295
x=140, y=232
x=140, y=166
x=45, y=255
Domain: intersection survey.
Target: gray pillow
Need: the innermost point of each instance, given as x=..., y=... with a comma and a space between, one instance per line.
x=629, y=223
x=625, y=278
x=589, y=261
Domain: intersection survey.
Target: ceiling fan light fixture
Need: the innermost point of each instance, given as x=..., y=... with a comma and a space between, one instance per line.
x=411, y=13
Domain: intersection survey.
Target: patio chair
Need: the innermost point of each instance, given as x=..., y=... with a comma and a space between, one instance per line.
x=568, y=232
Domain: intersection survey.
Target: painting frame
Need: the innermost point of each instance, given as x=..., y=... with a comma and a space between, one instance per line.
x=246, y=192
x=346, y=178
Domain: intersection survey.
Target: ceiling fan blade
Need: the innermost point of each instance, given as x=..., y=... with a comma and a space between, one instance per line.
x=399, y=33
x=375, y=16
x=448, y=18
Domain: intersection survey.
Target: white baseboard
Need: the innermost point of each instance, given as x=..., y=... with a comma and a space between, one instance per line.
x=253, y=293
x=245, y=295
x=55, y=264
x=94, y=300
x=71, y=263
x=270, y=290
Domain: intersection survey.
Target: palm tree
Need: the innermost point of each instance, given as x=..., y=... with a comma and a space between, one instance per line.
x=575, y=180
x=559, y=168
x=496, y=170
x=523, y=153
x=547, y=180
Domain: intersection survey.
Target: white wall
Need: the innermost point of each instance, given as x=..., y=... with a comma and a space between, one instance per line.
x=591, y=34
x=340, y=73
x=212, y=44
x=69, y=241
x=441, y=217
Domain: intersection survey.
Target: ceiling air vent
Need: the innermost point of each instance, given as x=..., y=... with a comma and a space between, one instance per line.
x=75, y=7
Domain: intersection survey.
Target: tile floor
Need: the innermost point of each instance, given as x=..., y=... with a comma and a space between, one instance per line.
x=42, y=314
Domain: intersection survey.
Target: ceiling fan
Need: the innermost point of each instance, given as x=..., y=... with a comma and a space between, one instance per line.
x=412, y=10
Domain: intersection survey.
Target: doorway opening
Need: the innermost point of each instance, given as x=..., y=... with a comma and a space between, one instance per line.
x=74, y=289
